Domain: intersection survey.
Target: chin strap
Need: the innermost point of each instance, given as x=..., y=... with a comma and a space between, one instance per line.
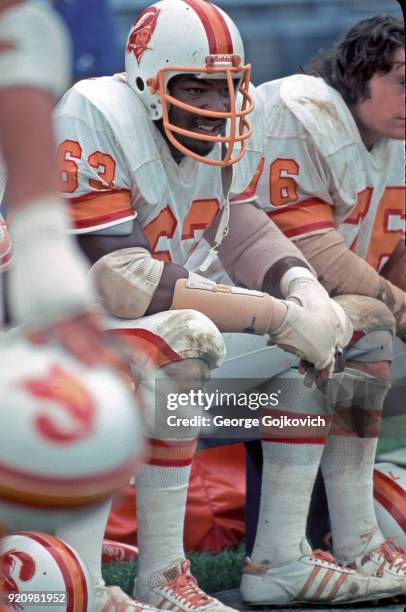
x=227, y=174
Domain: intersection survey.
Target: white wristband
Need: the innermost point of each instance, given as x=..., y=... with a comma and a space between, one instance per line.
x=291, y=275
x=49, y=275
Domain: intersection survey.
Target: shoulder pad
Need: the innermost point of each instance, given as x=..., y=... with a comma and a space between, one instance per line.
x=329, y=129
x=108, y=104
x=245, y=169
x=322, y=112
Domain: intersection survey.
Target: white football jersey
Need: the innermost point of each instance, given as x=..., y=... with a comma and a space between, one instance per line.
x=319, y=175
x=115, y=166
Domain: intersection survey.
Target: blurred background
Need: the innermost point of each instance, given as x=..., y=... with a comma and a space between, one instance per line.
x=279, y=35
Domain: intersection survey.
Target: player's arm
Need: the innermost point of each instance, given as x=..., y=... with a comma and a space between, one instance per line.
x=48, y=285
x=32, y=73
x=395, y=268
x=257, y=255
x=343, y=272
x=132, y=283
x=295, y=190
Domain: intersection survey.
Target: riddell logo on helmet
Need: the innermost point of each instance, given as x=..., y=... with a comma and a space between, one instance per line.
x=220, y=59
x=142, y=31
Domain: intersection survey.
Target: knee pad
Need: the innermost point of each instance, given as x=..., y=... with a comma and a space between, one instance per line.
x=293, y=396
x=192, y=335
x=356, y=400
x=166, y=338
x=367, y=314
x=373, y=347
x=188, y=373
x=374, y=328
x=173, y=399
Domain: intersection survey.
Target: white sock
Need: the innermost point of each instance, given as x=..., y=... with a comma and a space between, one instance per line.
x=288, y=477
x=347, y=466
x=162, y=484
x=85, y=534
x=289, y=471
x=161, y=503
x=348, y=463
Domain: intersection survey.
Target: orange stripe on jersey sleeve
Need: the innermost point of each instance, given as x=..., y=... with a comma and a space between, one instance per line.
x=93, y=211
x=301, y=219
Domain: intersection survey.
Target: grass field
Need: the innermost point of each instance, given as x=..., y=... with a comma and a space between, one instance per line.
x=214, y=572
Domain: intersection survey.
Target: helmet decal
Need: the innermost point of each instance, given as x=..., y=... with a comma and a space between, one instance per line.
x=142, y=31
x=14, y=562
x=72, y=413
x=192, y=37
x=218, y=34
x=64, y=569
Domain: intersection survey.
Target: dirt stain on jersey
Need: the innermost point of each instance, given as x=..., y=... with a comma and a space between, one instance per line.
x=322, y=107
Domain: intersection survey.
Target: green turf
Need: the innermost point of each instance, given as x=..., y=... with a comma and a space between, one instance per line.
x=213, y=572
x=386, y=445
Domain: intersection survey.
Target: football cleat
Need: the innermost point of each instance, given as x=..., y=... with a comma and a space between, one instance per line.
x=113, y=599
x=175, y=588
x=388, y=560
x=39, y=570
x=314, y=578
x=71, y=435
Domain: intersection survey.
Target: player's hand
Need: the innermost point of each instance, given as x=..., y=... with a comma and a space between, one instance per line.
x=83, y=338
x=320, y=378
x=80, y=335
x=314, y=335
x=48, y=279
x=301, y=286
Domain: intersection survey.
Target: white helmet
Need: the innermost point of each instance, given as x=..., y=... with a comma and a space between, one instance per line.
x=70, y=436
x=5, y=246
x=39, y=570
x=174, y=37
x=390, y=501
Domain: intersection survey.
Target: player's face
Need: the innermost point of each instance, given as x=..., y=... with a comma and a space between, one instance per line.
x=382, y=115
x=208, y=94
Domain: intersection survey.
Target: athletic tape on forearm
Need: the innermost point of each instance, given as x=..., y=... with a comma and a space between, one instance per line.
x=126, y=281
x=253, y=245
x=343, y=272
x=231, y=309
